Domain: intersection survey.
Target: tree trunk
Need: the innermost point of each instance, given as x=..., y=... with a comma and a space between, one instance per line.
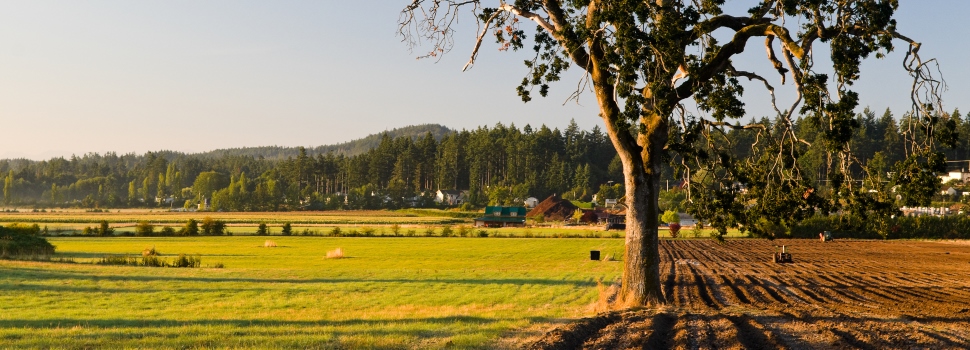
x=641, y=157
x=641, y=273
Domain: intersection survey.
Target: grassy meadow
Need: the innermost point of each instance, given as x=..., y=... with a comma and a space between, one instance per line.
x=386, y=293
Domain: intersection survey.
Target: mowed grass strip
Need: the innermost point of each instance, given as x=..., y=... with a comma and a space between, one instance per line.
x=385, y=292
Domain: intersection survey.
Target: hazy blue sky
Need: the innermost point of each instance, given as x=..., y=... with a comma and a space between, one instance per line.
x=135, y=76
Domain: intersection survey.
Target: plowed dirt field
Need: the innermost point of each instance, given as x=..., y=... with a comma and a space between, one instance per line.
x=841, y=294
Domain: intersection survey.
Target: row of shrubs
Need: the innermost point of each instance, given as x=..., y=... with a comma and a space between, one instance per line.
x=208, y=227
x=903, y=227
x=218, y=228
x=448, y=231
x=151, y=258
x=23, y=242
x=152, y=261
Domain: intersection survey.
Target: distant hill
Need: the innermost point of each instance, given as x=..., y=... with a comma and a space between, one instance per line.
x=349, y=148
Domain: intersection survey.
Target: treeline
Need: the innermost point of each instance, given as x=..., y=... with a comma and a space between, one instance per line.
x=902, y=227
x=877, y=142
x=497, y=165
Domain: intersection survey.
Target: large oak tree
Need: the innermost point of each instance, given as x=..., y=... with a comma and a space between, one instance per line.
x=645, y=59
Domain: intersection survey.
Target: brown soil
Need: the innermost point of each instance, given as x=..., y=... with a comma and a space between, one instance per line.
x=836, y=295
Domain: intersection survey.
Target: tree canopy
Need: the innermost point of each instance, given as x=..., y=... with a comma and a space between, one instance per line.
x=644, y=59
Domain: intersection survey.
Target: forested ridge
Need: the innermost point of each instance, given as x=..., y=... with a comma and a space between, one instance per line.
x=497, y=165
x=349, y=148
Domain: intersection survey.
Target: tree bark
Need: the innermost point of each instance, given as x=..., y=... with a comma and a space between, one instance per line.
x=641, y=158
x=641, y=275
x=641, y=171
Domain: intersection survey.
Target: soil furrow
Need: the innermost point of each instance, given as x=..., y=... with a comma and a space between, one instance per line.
x=702, y=289
x=738, y=294
x=845, y=294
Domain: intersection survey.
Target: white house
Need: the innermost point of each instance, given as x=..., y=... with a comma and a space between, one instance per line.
x=450, y=197
x=960, y=176
x=948, y=190
x=205, y=205
x=531, y=202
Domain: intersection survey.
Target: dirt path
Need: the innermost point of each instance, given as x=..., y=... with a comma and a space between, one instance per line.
x=842, y=294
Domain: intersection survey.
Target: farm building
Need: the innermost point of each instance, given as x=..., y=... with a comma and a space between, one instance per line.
x=531, y=202
x=450, y=197
x=502, y=217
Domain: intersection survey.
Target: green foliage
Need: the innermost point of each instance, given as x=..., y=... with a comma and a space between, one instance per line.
x=900, y=227
x=608, y=191
x=287, y=229
x=916, y=178
x=207, y=183
x=670, y=217
x=105, y=229
x=151, y=260
x=447, y=231
x=24, y=229
x=212, y=226
x=144, y=228
x=191, y=228
x=262, y=230
x=19, y=242
x=187, y=261
x=673, y=200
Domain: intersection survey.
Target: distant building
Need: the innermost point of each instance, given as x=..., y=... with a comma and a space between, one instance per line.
x=948, y=190
x=960, y=176
x=450, y=197
x=687, y=220
x=502, y=217
x=531, y=202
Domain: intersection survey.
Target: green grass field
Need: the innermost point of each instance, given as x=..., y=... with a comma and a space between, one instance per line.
x=389, y=293
x=320, y=223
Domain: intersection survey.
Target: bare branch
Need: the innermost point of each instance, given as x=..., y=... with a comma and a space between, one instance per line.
x=478, y=41
x=432, y=22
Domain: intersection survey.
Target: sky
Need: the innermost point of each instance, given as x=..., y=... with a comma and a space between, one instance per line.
x=192, y=76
